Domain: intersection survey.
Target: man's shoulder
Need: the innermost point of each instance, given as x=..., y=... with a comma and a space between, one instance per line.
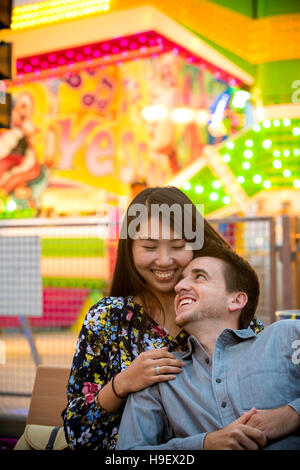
x=281, y=327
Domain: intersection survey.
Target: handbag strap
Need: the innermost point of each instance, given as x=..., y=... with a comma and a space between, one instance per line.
x=52, y=437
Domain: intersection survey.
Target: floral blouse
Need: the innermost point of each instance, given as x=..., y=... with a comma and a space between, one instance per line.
x=107, y=344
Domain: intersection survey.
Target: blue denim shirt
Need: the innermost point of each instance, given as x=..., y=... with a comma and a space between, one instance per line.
x=245, y=371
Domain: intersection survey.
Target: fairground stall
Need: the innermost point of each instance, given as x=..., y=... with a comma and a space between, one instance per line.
x=108, y=97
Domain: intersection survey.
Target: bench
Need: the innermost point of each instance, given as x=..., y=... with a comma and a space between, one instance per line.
x=49, y=396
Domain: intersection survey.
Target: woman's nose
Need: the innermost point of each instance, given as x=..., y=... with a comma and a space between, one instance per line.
x=164, y=257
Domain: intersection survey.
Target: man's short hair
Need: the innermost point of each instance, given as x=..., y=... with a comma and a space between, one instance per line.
x=239, y=276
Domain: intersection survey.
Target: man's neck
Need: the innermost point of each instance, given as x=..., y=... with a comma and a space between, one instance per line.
x=207, y=331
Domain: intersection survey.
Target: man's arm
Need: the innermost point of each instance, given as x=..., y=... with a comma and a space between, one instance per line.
x=145, y=425
x=276, y=423
x=281, y=422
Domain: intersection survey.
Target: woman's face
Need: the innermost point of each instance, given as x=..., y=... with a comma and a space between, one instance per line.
x=159, y=260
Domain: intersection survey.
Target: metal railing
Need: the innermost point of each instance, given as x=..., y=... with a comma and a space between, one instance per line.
x=76, y=266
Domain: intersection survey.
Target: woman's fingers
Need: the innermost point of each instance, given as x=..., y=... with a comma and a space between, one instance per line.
x=169, y=362
x=168, y=370
x=159, y=353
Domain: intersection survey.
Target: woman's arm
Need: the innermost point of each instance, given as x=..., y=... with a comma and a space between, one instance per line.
x=87, y=424
x=93, y=413
x=141, y=373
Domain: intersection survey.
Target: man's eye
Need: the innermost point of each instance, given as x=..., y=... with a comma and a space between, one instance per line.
x=149, y=247
x=199, y=275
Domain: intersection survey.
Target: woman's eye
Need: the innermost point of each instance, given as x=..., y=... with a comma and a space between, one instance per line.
x=181, y=247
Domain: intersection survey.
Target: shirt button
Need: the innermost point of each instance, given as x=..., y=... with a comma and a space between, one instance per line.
x=223, y=404
x=218, y=381
x=207, y=360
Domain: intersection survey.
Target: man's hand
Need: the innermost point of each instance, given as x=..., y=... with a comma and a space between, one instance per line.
x=275, y=423
x=236, y=436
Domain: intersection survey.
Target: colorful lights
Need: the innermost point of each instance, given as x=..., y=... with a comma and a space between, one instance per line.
x=248, y=154
x=263, y=159
x=230, y=145
x=182, y=115
x=257, y=179
x=277, y=164
x=216, y=184
x=246, y=165
x=213, y=196
x=205, y=188
x=266, y=156
x=267, y=144
x=91, y=56
x=240, y=99
x=186, y=186
x=266, y=123
x=199, y=189
x=155, y=113
x=53, y=11
x=226, y=200
x=296, y=131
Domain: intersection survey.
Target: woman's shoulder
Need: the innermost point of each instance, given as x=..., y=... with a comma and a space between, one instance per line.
x=113, y=307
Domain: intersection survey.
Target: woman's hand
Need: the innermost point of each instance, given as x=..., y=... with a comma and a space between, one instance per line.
x=142, y=372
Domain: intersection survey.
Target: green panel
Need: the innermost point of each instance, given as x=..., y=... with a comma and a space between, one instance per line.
x=206, y=179
x=73, y=247
x=245, y=6
x=277, y=7
x=273, y=154
x=261, y=8
x=275, y=80
x=74, y=283
x=267, y=156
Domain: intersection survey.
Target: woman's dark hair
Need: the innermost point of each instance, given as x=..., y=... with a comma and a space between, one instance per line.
x=126, y=280
x=239, y=276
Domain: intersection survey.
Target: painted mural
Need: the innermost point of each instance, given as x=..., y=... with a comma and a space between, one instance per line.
x=78, y=141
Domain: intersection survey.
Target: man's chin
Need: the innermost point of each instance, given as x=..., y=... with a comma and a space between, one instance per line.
x=181, y=319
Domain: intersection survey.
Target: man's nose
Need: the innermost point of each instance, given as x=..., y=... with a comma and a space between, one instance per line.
x=182, y=285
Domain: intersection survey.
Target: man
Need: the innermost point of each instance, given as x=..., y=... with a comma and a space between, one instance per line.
x=237, y=390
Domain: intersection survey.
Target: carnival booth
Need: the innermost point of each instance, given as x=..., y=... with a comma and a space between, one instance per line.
x=109, y=97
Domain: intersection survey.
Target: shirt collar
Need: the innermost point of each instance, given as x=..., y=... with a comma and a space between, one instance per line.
x=228, y=336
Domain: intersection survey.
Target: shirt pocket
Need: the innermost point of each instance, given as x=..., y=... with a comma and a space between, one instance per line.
x=264, y=389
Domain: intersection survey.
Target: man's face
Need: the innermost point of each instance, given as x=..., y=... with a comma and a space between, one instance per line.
x=201, y=293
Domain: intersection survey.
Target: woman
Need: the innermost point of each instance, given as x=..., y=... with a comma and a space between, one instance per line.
x=127, y=339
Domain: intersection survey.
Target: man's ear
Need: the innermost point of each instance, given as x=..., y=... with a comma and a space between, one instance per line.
x=238, y=301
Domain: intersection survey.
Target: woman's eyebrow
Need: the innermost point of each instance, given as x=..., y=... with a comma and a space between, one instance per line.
x=148, y=239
